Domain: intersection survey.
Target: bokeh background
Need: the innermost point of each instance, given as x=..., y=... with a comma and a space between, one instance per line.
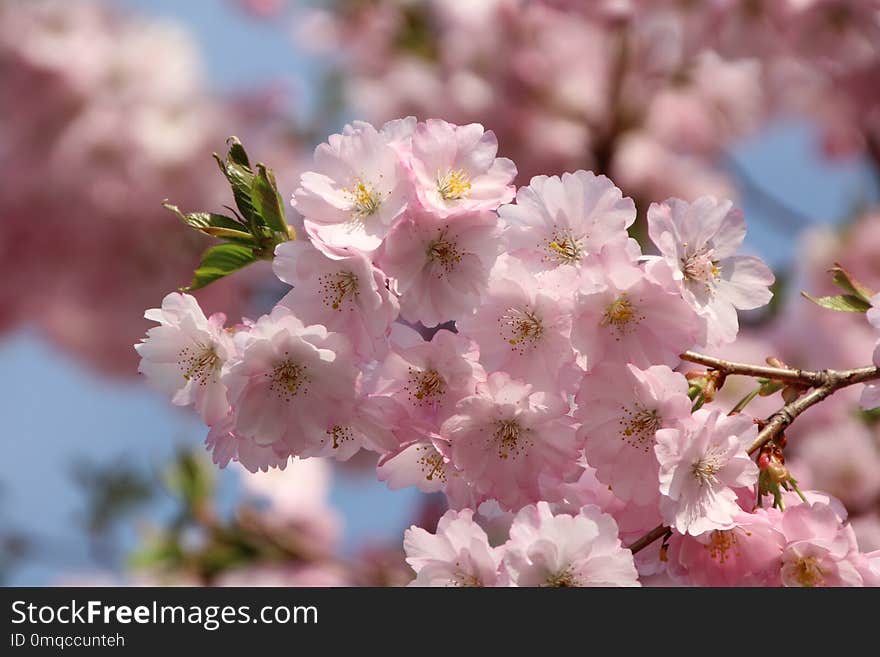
x=108, y=107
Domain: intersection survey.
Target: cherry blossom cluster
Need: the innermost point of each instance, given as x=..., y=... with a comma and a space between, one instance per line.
x=514, y=349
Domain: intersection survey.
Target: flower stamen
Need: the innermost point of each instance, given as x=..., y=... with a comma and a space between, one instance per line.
x=454, y=185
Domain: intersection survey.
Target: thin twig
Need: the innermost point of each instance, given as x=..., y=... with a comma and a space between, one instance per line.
x=803, y=377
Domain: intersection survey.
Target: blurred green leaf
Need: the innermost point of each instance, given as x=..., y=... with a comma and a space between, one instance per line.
x=843, y=302
x=849, y=283
x=190, y=477
x=112, y=491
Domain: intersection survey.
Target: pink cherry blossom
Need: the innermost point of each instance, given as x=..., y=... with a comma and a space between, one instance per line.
x=506, y=435
x=226, y=446
x=698, y=242
x=567, y=550
x=701, y=465
x=620, y=409
x=441, y=267
x=429, y=377
x=560, y=221
x=345, y=293
x=356, y=191
x=292, y=385
x=747, y=554
x=455, y=168
x=622, y=314
x=458, y=554
x=819, y=550
x=185, y=355
x=422, y=462
x=523, y=325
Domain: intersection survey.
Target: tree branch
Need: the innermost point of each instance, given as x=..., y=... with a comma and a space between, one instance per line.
x=824, y=383
x=802, y=377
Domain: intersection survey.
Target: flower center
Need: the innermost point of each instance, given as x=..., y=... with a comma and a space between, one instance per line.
x=705, y=469
x=287, y=378
x=444, y=252
x=425, y=386
x=565, y=248
x=454, y=185
x=563, y=579
x=700, y=268
x=365, y=200
x=808, y=573
x=638, y=426
x=621, y=316
x=431, y=463
x=335, y=288
x=721, y=543
x=464, y=579
x=521, y=328
x=510, y=438
x=199, y=363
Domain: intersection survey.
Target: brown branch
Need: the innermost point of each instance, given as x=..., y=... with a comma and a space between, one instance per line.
x=802, y=377
x=824, y=383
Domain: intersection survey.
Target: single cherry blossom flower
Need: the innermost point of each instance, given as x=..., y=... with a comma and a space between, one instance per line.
x=565, y=550
x=458, y=554
x=820, y=550
x=345, y=293
x=506, y=435
x=623, y=314
x=747, y=554
x=185, y=355
x=291, y=383
x=523, y=325
x=698, y=242
x=701, y=465
x=441, y=267
x=455, y=168
x=621, y=409
x=356, y=191
x=561, y=220
x=428, y=378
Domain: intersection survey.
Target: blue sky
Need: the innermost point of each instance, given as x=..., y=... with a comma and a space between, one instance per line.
x=55, y=411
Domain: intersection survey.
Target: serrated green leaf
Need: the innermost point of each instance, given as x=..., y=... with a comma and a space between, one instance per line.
x=220, y=261
x=267, y=201
x=842, y=302
x=846, y=281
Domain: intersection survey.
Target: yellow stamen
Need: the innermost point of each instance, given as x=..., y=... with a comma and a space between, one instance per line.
x=454, y=185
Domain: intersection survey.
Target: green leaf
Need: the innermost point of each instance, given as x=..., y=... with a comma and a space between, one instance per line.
x=237, y=153
x=846, y=281
x=267, y=200
x=219, y=261
x=241, y=179
x=210, y=223
x=842, y=302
